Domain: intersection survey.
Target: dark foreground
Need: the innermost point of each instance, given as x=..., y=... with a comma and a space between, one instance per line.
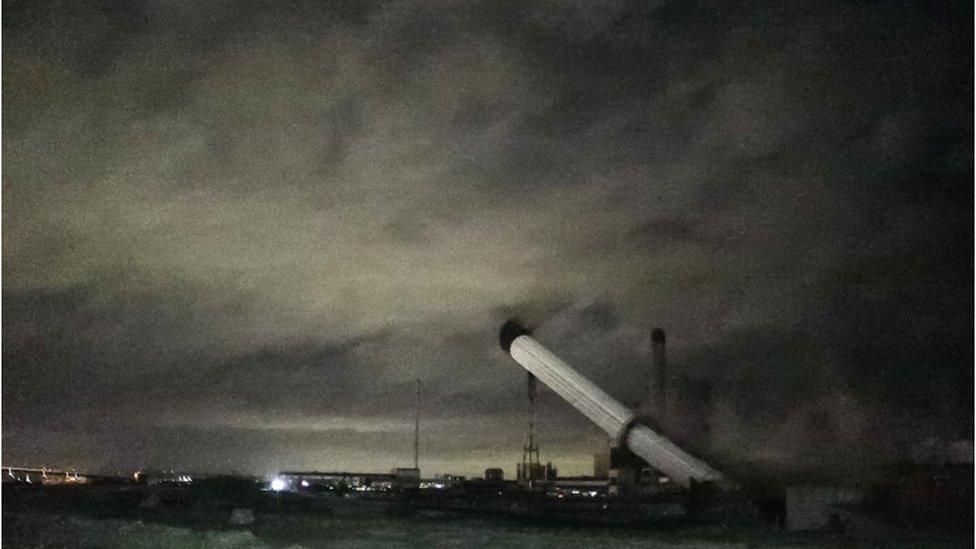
x=201, y=516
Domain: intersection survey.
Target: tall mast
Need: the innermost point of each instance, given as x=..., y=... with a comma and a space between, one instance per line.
x=532, y=445
x=416, y=432
x=530, y=452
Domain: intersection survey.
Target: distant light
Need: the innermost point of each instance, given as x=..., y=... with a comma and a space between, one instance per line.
x=304, y=484
x=278, y=484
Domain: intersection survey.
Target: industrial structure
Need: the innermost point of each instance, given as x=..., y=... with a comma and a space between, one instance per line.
x=531, y=470
x=656, y=394
x=416, y=431
x=623, y=425
x=674, y=404
x=649, y=474
x=45, y=476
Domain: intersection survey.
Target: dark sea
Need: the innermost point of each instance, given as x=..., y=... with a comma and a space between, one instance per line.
x=57, y=530
x=207, y=516
x=68, y=531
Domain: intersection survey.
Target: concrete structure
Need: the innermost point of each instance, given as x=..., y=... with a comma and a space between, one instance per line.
x=531, y=468
x=614, y=418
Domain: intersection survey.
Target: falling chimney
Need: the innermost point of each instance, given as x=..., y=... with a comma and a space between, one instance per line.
x=657, y=388
x=621, y=423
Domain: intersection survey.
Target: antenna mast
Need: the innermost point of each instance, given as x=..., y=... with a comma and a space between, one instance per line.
x=531, y=468
x=416, y=432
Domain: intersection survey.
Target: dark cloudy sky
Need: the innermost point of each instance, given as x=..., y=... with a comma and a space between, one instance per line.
x=235, y=232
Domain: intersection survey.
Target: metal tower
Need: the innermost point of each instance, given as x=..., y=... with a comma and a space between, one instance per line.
x=530, y=468
x=416, y=431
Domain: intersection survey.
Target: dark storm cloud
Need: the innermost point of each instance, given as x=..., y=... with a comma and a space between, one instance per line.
x=243, y=229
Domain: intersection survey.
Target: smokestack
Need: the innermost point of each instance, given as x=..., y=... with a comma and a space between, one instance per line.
x=611, y=416
x=657, y=392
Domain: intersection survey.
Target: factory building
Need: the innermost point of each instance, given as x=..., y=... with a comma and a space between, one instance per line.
x=535, y=472
x=494, y=474
x=406, y=477
x=339, y=481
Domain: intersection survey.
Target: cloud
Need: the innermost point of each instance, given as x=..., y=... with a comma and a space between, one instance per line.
x=288, y=214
